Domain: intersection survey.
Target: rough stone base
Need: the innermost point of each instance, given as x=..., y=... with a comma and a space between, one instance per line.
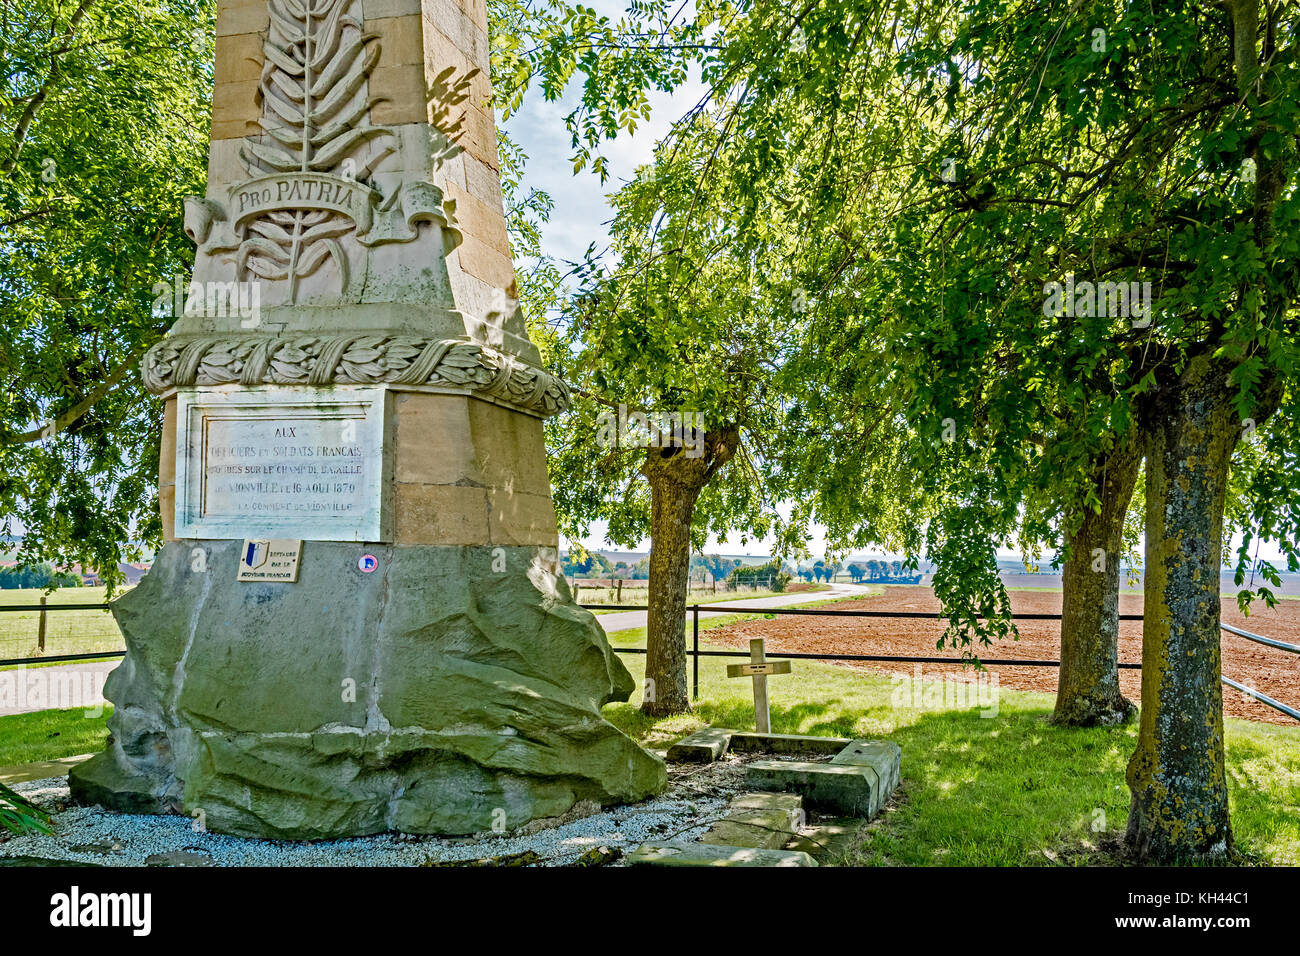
x=453, y=690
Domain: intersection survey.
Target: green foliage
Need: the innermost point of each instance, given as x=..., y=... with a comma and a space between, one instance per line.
x=771, y=575
x=20, y=816
x=103, y=112
x=945, y=166
x=679, y=321
x=36, y=576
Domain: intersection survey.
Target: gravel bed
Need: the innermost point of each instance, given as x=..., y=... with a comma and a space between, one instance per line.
x=696, y=796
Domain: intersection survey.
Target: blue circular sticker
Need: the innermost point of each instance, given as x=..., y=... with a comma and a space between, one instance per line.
x=368, y=563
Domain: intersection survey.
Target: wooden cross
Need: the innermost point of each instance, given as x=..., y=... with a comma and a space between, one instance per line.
x=759, y=667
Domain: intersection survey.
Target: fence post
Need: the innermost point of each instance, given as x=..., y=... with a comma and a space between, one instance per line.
x=695, y=626
x=619, y=598
x=40, y=627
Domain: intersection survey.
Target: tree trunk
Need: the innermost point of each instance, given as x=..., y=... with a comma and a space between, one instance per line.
x=676, y=481
x=1179, y=792
x=1087, y=693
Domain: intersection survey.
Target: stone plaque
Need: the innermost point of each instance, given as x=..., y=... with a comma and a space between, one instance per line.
x=269, y=560
x=282, y=462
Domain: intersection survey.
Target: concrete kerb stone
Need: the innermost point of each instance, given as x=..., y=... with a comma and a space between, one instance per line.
x=709, y=854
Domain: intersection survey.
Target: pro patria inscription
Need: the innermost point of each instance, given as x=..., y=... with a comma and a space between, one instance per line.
x=282, y=463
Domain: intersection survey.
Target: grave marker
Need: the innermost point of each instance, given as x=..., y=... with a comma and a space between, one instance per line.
x=759, y=668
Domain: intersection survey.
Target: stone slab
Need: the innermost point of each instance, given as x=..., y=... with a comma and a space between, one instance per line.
x=762, y=829
x=707, y=854
x=827, y=841
x=283, y=462
x=765, y=800
x=785, y=744
x=764, y=820
x=842, y=788
x=703, y=746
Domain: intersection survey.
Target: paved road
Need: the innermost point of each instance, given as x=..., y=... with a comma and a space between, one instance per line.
x=23, y=691
x=626, y=620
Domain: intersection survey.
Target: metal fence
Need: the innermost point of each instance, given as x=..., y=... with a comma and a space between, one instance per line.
x=34, y=633
x=696, y=653
x=46, y=634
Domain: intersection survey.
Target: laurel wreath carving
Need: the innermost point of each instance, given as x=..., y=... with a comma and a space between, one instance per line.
x=318, y=59
x=353, y=359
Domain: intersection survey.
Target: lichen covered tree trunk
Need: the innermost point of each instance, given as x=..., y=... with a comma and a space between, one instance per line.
x=1088, y=693
x=676, y=480
x=1176, y=776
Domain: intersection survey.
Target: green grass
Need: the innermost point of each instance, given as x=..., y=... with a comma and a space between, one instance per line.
x=983, y=791
x=66, y=632
x=51, y=734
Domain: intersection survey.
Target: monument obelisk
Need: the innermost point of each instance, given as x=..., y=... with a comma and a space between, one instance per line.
x=356, y=623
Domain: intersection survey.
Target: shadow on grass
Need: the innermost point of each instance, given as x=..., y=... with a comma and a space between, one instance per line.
x=1010, y=789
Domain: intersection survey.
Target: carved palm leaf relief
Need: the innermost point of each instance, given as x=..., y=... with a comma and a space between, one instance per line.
x=315, y=116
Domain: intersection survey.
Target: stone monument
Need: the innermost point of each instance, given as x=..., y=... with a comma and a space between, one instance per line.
x=357, y=623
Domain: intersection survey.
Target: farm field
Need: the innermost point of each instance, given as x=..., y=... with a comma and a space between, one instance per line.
x=66, y=632
x=1270, y=671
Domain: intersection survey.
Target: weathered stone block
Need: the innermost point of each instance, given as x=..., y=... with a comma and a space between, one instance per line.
x=519, y=519
x=482, y=181
x=234, y=105
x=766, y=800
x=883, y=756
x=843, y=788
x=763, y=820
x=239, y=57
x=401, y=39
x=476, y=218
x=440, y=53
x=242, y=16
x=510, y=449
x=703, y=746
x=406, y=95
x=706, y=854
x=485, y=263
x=786, y=744
x=440, y=514
x=434, y=440
x=376, y=9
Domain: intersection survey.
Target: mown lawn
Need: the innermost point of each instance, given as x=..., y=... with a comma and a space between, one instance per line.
x=51, y=734
x=1009, y=789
